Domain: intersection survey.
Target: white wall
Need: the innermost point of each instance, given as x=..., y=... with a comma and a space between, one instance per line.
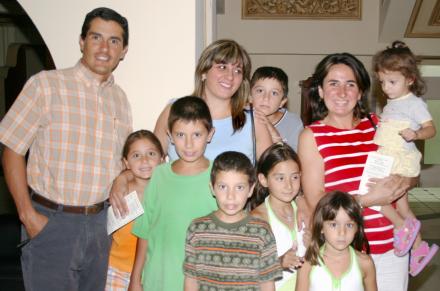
x=161, y=57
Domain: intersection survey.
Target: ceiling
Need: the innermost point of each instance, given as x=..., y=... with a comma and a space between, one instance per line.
x=410, y=19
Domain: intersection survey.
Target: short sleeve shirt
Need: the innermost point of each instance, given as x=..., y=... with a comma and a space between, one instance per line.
x=231, y=256
x=74, y=128
x=407, y=108
x=171, y=202
x=290, y=126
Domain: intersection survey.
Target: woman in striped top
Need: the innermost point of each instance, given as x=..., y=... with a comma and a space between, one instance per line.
x=333, y=151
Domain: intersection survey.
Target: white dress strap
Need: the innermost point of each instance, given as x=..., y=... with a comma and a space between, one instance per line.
x=285, y=239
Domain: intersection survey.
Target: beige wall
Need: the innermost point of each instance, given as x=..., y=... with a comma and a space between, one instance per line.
x=160, y=61
x=298, y=45
x=161, y=57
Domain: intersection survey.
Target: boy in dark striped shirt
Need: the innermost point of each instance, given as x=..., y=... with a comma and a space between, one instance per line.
x=229, y=249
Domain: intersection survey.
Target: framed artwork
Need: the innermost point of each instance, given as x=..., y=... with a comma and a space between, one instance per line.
x=301, y=9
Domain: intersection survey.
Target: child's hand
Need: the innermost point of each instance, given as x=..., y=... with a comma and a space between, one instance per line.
x=135, y=287
x=117, y=193
x=290, y=261
x=262, y=118
x=408, y=134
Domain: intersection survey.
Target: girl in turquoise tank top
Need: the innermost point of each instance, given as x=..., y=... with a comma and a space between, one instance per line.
x=335, y=259
x=278, y=185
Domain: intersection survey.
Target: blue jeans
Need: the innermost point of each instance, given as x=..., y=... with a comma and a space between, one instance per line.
x=70, y=253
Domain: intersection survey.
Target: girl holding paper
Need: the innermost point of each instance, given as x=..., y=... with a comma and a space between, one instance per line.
x=141, y=153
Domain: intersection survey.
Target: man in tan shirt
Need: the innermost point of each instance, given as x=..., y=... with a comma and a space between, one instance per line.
x=74, y=123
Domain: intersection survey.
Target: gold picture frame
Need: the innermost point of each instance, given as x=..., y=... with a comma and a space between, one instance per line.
x=302, y=9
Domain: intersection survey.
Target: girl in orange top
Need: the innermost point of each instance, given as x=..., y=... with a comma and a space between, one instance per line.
x=142, y=152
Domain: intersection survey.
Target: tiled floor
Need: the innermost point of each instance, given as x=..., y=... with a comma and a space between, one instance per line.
x=425, y=203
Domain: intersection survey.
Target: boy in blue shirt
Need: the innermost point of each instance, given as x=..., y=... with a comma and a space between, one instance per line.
x=269, y=89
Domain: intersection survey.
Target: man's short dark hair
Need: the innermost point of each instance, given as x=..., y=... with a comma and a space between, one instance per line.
x=271, y=73
x=108, y=15
x=233, y=161
x=190, y=108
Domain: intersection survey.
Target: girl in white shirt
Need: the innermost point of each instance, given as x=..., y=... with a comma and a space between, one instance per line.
x=334, y=259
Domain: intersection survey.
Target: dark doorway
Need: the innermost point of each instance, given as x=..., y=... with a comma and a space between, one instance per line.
x=23, y=53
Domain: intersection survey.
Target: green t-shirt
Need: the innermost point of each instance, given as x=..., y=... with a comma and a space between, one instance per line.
x=170, y=202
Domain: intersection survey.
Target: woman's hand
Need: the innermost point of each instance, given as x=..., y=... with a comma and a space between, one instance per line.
x=386, y=190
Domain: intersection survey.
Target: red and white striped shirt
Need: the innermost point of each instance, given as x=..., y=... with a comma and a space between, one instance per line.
x=344, y=153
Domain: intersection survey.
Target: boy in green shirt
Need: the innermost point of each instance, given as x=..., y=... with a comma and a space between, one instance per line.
x=178, y=193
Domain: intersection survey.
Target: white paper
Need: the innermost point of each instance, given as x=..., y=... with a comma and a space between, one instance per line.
x=377, y=166
x=301, y=248
x=135, y=209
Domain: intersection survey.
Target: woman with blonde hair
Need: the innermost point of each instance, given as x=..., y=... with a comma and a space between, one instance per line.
x=222, y=79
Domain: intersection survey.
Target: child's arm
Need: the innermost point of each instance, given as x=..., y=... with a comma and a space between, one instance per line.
x=368, y=271
x=190, y=261
x=267, y=286
x=302, y=279
x=160, y=130
x=119, y=190
x=274, y=134
x=262, y=135
x=190, y=284
x=289, y=260
x=139, y=262
x=427, y=131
